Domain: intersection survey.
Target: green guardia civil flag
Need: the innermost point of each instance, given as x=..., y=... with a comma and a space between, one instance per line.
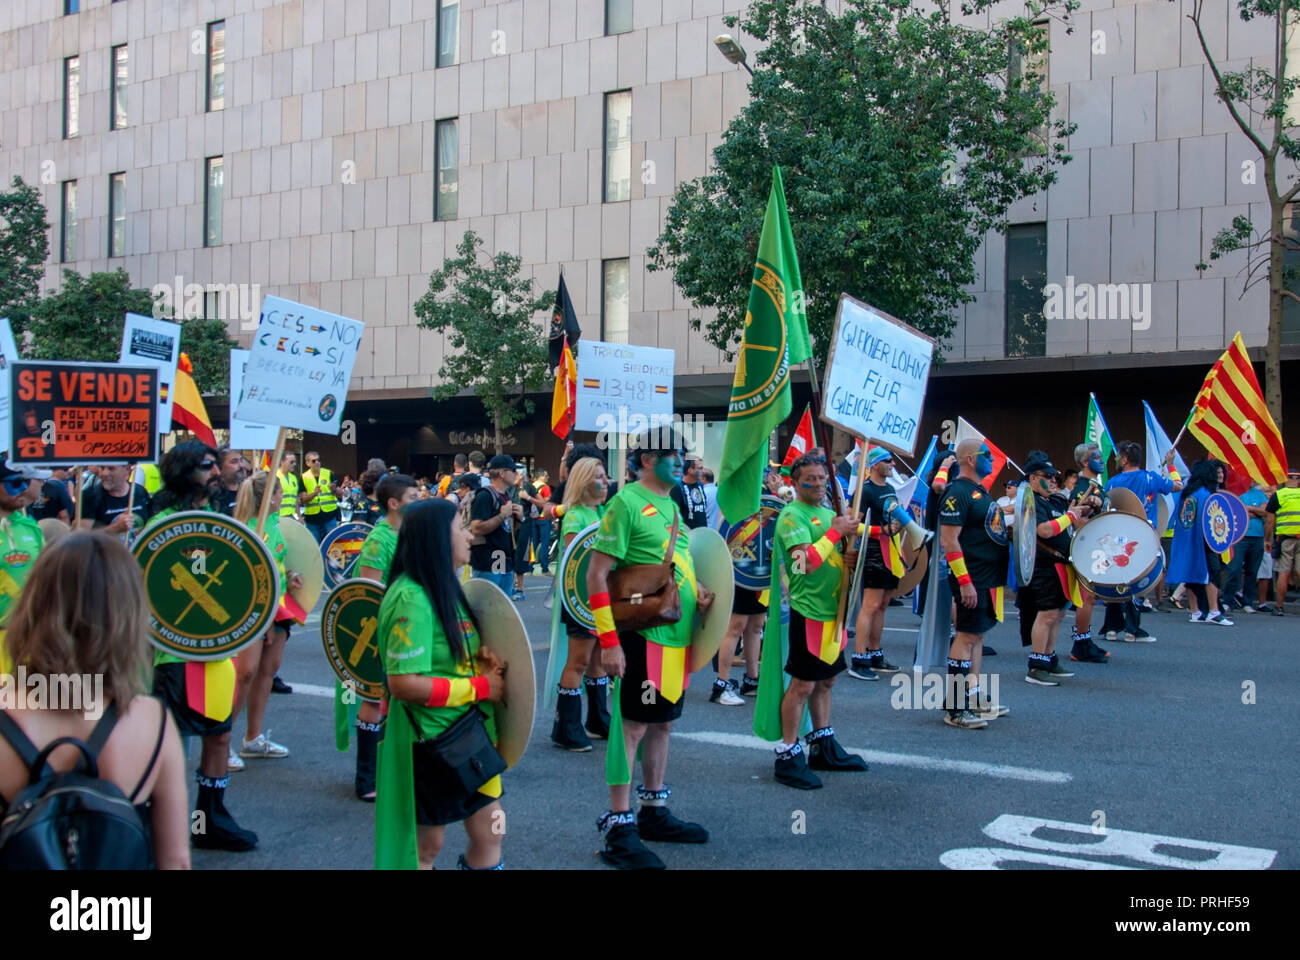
x=1096, y=431
x=775, y=336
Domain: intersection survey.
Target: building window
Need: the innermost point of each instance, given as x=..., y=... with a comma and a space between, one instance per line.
x=448, y=33
x=217, y=65
x=118, y=118
x=1026, y=327
x=68, y=226
x=117, y=215
x=71, y=95
x=618, y=16
x=212, y=179
x=613, y=301
x=1031, y=67
x=618, y=146
x=446, y=149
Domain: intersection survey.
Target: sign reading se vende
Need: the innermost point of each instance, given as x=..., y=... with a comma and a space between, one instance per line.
x=82, y=413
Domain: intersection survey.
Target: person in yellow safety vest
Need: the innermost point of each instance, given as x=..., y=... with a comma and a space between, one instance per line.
x=288, y=483
x=1283, y=522
x=319, y=498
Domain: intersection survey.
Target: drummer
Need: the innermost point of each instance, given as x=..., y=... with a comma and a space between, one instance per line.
x=883, y=566
x=1087, y=491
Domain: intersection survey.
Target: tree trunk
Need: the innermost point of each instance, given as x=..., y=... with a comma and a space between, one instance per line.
x=1273, y=351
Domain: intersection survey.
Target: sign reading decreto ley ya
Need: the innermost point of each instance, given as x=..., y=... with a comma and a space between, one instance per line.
x=876, y=376
x=299, y=367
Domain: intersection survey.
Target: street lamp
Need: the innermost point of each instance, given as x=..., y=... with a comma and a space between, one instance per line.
x=732, y=50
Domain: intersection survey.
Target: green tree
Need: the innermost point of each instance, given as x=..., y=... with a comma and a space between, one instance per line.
x=488, y=314
x=902, y=140
x=1260, y=101
x=83, y=320
x=24, y=245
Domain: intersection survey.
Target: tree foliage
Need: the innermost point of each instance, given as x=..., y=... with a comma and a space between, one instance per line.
x=901, y=141
x=489, y=316
x=24, y=245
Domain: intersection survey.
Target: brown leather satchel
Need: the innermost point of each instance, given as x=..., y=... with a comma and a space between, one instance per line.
x=645, y=595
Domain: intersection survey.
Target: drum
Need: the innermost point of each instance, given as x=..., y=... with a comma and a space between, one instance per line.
x=750, y=544
x=1116, y=555
x=1223, y=520
x=341, y=549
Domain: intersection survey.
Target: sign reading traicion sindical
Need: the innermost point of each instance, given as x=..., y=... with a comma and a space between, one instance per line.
x=212, y=585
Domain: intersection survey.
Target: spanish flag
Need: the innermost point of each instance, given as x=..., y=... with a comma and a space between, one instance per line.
x=187, y=407
x=566, y=393
x=1232, y=421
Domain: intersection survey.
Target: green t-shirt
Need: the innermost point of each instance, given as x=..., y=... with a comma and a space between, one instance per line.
x=378, y=549
x=815, y=594
x=20, y=542
x=635, y=529
x=579, y=517
x=412, y=641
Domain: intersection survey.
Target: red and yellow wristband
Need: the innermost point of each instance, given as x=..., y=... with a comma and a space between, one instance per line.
x=606, y=632
x=457, y=691
x=957, y=564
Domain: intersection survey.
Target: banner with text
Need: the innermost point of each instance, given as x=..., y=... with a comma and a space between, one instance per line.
x=299, y=367
x=147, y=342
x=623, y=388
x=245, y=435
x=876, y=376
x=83, y=413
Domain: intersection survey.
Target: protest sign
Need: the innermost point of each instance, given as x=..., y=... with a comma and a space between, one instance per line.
x=243, y=434
x=876, y=376
x=621, y=385
x=147, y=342
x=83, y=413
x=299, y=367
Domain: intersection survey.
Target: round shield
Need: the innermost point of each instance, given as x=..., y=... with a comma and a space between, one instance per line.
x=1115, y=550
x=750, y=544
x=1223, y=521
x=504, y=634
x=340, y=549
x=52, y=528
x=1026, y=527
x=211, y=582
x=1126, y=501
x=573, y=575
x=713, y=564
x=349, y=626
x=303, y=558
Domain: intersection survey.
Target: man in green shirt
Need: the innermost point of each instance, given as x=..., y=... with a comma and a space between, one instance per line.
x=651, y=663
x=807, y=542
x=20, y=541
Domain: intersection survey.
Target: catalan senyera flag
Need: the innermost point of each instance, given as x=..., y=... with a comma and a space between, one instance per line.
x=1232, y=421
x=775, y=335
x=187, y=407
x=565, y=399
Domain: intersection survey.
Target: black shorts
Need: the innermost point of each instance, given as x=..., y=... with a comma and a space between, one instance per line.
x=746, y=603
x=1046, y=586
x=979, y=619
x=633, y=686
x=169, y=686
x=875, y=575
x=803, y=665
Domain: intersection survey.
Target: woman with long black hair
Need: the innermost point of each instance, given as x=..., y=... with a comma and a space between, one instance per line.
x=443, y=685
x=1191, y=561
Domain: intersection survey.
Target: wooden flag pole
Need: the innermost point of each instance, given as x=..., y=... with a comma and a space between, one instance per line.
x=76, y=510
x=265, y=508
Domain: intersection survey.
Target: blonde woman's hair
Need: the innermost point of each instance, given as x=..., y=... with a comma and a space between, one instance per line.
x=83, y=611
x=581, y=476
x=249, y=498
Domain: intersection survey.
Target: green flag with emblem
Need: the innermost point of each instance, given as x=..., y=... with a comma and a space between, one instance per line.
x=775, y=336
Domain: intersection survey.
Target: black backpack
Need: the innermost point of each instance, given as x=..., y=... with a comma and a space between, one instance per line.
x=72, y=820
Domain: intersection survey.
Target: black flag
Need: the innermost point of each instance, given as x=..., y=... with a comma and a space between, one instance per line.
x=564, y=323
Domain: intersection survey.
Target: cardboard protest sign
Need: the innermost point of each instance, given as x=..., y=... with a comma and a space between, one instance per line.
x=876, y=376
x=8, y=354
x=623, y=388
x=243, y=434
x=154, y=343
x=83, y=413
x=299, y=367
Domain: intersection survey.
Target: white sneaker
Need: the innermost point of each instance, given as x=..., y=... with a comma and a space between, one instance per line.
x=263, y=748
x=233, y=763
x=1220, y=618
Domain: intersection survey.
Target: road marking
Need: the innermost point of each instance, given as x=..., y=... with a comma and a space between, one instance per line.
x=914, y=760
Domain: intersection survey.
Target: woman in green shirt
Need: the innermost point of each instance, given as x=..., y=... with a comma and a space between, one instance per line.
x=575, y=645
x=437, y=672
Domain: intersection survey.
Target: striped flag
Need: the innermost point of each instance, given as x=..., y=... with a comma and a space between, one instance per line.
x=187, y=407
x=1232, y=421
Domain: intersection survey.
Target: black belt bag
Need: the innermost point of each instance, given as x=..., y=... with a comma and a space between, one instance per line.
x=460, y=759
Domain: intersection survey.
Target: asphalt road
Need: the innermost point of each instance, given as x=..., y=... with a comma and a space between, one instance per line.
x=1154, y=759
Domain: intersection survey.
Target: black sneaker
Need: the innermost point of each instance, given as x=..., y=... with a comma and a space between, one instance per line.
x=860, y=668
x=623, y=846
x=658, y=824
x=880, y=665
x=825, y=753
x=792, y=770
x=279, y=686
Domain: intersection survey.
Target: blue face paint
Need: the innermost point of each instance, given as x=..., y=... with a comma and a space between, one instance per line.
x=983, y=465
